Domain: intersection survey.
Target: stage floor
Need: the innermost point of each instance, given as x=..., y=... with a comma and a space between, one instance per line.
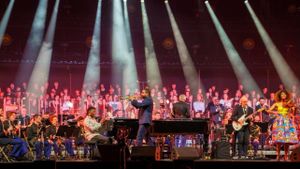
x=161, y=164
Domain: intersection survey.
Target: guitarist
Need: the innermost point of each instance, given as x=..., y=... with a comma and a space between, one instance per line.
x=242, y=135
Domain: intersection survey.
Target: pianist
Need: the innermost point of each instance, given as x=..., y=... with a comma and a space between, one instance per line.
x=181, y=111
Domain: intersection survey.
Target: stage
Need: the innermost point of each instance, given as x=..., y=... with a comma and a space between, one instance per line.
x=161, y=164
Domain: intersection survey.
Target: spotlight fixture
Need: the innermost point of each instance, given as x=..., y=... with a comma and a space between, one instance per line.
x=166, y=1
x=246, y=1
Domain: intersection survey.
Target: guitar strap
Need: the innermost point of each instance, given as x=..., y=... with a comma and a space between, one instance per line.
x=244, y=110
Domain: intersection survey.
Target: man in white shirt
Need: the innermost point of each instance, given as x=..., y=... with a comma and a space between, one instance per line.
x=199, y=105
x=92, y=128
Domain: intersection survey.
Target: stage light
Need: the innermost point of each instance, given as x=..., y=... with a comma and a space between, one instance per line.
x=152, y=68
x=166, y=1
x=168, y=43
x=34, y=42
x=88, y=41
x=206, y=2
x=248, y=43
x=92, y=73
x=187, y=63
x=6, y=40
x=40, y=73
x=124, y=69
x=142, y=1
x=41, y=68
x=246, y=1
x=4, y=21
x=284, y=71
x=292, y=8
x=240, y=69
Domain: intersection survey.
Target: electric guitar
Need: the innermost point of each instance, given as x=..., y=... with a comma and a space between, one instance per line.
x=238, y=125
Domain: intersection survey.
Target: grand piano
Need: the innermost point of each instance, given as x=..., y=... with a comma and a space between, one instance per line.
x=179, y=126
x=161, y=128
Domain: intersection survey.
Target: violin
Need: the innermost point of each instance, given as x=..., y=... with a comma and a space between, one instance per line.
x=289, y=103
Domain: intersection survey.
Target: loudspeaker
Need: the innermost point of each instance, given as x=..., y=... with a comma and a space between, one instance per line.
x=221, y=150
x=143, y=153
x=185, y=153
x=113, y=153
x=295, y=155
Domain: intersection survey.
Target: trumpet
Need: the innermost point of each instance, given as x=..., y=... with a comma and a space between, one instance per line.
x=130, y=97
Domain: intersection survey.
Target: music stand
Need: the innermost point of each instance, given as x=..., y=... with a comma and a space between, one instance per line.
x=123, y=124
x=65, y=131
x=264, y=126
x=76, y=131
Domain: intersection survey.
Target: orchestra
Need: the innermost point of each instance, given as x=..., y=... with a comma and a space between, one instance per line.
x=66, y=124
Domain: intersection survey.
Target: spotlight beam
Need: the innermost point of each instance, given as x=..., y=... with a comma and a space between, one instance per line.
x=284, y=71
x=238, y=65
x=34, y=41
x=124, y=70
x=152, y=69
x=5, y=19
x=188, y=66
x=40, y=73
x=130, y=72
x=92, y=74
x=127, y=26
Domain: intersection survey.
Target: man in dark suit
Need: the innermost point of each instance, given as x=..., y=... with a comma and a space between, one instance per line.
x=145, y=107
x=264, y=115
x=264, y=118
x=181, y=108
x=216, y=114
x=242, y=136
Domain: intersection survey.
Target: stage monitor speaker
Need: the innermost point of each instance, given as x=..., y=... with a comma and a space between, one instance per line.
x=185, y=153
x=143, y=153
x=113, y=153
x=295, y=155
x=221, y=150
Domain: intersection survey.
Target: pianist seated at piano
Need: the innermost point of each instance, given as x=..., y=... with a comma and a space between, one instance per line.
x=181, y=110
